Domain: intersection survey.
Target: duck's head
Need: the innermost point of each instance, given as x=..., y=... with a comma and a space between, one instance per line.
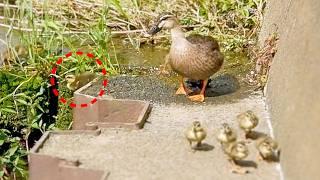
x=241, y=147
x=70, y=78
x=225, y=128
x=196, y=126
x=165, y=21
x=265, y=147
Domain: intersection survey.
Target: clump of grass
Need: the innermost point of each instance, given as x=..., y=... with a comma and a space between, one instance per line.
x=234, y=23
x=262, y=57
x=25, y=98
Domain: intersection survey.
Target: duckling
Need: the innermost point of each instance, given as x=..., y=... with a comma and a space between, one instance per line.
x=75, y=82
x=196, y=134
x=267, y=148
x=226, y=134
x=194, y=57
x=9, y=56
x=236, y=151
x=247, y=121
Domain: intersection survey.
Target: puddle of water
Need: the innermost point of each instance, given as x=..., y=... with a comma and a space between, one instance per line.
x=146, y=55
x=236, y=63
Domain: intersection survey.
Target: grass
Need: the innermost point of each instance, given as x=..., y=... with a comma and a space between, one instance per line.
x=46, y=28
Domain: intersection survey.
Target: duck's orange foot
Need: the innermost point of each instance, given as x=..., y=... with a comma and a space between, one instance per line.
x=197, y=98
x=181, y=90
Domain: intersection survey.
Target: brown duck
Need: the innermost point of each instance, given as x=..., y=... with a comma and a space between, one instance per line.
x=194, y=57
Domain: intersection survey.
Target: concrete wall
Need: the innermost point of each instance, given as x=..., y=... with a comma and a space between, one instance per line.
x=293, y=90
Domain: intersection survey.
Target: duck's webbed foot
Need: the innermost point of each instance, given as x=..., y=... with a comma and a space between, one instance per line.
x=200, y=97
x=183, y=89
x=197, y=98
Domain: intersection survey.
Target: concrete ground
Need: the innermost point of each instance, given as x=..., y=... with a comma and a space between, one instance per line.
x=160, y=150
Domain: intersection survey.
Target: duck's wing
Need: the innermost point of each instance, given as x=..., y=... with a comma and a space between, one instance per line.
x=206, y=42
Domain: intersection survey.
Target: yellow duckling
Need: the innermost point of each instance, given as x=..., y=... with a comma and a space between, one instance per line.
x=196, y=134
x=267, y=147
x=236, y=151
x=247, y=121
x=75, y=82
x=9, y=56
x=226, y=134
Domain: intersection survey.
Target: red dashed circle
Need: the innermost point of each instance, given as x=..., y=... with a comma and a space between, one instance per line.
x=72, y=104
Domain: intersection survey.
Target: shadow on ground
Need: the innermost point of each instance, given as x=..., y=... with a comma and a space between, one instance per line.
x=221, y=89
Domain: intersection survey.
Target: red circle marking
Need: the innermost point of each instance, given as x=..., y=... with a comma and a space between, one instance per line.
x=72, y=104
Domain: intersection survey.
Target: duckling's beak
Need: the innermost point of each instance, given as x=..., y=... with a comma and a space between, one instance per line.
x=154, y=29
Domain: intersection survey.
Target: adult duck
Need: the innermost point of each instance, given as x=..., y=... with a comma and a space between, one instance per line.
x=195, y=57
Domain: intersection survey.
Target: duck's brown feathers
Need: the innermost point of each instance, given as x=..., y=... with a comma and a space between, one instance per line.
x=205, y=41
x=196, y=57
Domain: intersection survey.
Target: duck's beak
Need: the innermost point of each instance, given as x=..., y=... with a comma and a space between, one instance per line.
x=154, y=29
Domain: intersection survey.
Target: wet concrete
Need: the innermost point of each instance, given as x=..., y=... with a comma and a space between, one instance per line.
x=158, y=89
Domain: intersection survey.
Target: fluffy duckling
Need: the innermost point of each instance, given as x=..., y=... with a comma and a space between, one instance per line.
x=75, y=82
x=266, y=147
x=9, y=56
x=236, y=151
x=247, y=121
x=226, y=134
x=196, y=134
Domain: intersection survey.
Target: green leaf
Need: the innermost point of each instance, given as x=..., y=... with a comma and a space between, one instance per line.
x=8, y=110
x=3, y=138
x=1, y=173
x=1, y=142
x=35, y=125
x=13, y=150
x=52, y=25
x=33, y=112
x=22, y=101
x=40, y=108
x=40, y=92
